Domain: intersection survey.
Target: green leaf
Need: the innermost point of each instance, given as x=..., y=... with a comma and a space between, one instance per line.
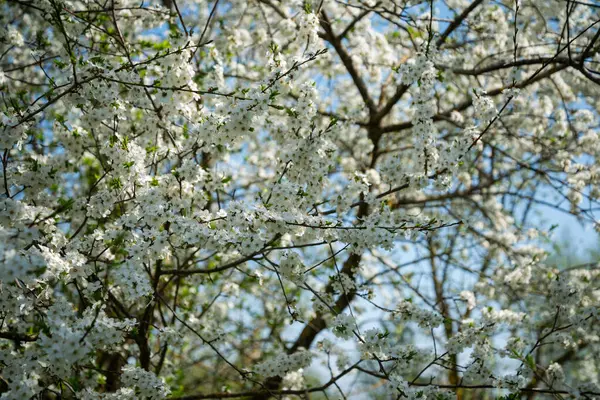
x=307, y=7
x=530, y=362
x=115, y=183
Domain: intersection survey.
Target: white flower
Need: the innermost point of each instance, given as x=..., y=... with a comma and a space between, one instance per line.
x=14, y=36
x=469, y=297
x=284, y=364
x=148, y=385
x=343, y=325
x=555, y=371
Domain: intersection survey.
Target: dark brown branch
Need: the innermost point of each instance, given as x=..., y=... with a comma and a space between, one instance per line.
x=321, y=388
x=18, y=337
x=336, y=42
x=457, y=21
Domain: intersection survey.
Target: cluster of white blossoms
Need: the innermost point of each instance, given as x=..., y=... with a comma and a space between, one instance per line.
x=228, y=198
x=132, y=285
x=291, y=267
x=424, y=130
x=483, y=106
x=283, y=364
x=72, y=343
x=343, y=325
x=408, y=311
x=140, y=385
x=147, y=385
x=399, y=386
